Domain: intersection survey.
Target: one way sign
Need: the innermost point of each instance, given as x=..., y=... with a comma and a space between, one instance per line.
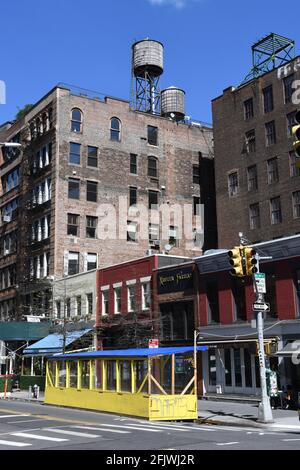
x=261, y=307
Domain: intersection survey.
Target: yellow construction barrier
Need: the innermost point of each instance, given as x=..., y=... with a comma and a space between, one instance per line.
x=158, y=384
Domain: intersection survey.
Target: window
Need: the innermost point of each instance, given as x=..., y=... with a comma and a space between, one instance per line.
x=92, y=156
x=131, y=298
x=91, y=226
x=276, y=217
x=290, y=117
x=131, y=231
x=133, y=164
x=68, y=307
x=196, y=205
x=117, y=293
x=248, y=109
x=91, y=191
x=146, y=295
x=196, y=174
x=252, y=178
x=270, y=133
x=10, y=180
x=233, y=184
x=132, y=196
x=152, y=135
x=74, y=156
x=73, y=263
x=272, y=167
x=115, y=129
x=76, y=121
x=152, y=167
x=152, y=200
x=89, y=304
x=73, y=225
x=91, y=261
x=294, y=169
x=268, y=99
x=213, y=301
x=74, y=189
x=250, y=142
x=58, y=308
x=288, y=88
x=177, y=320
x=154, y=234
x=105, y=302
x=296, y=204
x=254, y=215
x=173, y=236
x=78, y=305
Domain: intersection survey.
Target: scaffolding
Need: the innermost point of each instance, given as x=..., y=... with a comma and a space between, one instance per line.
x=269, y=53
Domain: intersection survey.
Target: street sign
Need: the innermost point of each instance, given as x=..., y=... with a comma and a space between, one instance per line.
x=261, y=307
x=260, y=280
x=153, y=343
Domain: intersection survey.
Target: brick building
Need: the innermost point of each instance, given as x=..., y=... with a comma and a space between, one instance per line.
x=126, y=312
x=257, y=181
x=80, y=151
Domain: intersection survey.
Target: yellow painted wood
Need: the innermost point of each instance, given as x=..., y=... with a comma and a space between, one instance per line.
x=172, y=407
x=104, y=375
x=67, y=374
x=79, y=368
x=92, y=374
x=118, y=381
x=56, y=374
x=133, y=376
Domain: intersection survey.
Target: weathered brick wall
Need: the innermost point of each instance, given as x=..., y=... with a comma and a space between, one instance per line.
x=229, y=133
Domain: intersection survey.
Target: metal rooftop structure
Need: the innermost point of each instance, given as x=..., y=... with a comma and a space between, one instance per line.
x=269, y=53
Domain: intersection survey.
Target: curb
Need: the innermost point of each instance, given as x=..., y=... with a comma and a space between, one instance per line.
x=237, y=423
x=32, y=400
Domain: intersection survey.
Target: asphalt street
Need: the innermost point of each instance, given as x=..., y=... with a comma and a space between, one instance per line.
x=33, y=426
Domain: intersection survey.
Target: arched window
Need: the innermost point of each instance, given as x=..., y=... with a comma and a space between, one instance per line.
x=152, y=167
x=115, y=129
x=76, y=120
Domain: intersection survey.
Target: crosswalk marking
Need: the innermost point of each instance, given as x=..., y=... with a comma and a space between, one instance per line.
x=72, y=433
x=13, y=444
x=178, y=427
x=12, y=416
x=162, y=428
x=36, y=436
x=227, y=443
x=101, y=429
x=131, y=427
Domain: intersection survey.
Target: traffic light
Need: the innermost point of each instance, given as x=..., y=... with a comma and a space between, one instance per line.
x=250, y=261
x=236, y=260
x=267, y=348
x=296, y=134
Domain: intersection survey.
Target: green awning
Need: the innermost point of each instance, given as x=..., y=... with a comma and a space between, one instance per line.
x=23, y=331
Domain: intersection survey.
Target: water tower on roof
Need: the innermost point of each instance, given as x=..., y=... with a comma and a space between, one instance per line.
x=173, y=103
x=147, y=67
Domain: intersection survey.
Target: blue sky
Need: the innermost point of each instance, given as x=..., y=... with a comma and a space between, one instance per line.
x=88, y=43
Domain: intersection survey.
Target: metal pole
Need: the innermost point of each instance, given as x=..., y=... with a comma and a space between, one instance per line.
x=264, y=408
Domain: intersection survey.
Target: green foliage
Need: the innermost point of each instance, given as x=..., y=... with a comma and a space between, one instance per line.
x=22, y=111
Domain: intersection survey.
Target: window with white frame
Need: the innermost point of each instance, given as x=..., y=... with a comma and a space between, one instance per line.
x=131, y=298
x=275, y=206
x=146, y=295
x=89, y=304
x=105, y=302
x=233, y=183
x=296, y=204
x=118, y=302
x=131, y=231
x=173, y=236
x=91, y=261
x=73, y=263
x=78, y=305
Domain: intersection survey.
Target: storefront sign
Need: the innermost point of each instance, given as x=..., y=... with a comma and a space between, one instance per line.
x=175, y=280
x=153, y=343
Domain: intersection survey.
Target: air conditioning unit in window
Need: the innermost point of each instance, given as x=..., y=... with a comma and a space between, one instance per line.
x=6, y=218
x=154, y=244
x=74, y=240
x=6, y=252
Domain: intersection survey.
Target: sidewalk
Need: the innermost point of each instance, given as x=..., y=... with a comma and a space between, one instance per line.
x=23, y=395
x=244, y=414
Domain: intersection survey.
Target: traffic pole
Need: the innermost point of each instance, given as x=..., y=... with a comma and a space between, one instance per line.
x=264, y=407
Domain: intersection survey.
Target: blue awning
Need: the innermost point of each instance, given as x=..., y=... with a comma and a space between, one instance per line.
x=141, y=352
x=53, y=344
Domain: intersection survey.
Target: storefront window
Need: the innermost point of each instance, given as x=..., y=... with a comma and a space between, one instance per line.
x=111, y=375
x=73, y=374
x=248, y=369
x=125, y=374
x=62, y=374
x=228, y=379
x=212, y=366
x=237, y=367
x=85, y=374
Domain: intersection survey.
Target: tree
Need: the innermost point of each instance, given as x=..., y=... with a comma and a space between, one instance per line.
x=22, y=111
